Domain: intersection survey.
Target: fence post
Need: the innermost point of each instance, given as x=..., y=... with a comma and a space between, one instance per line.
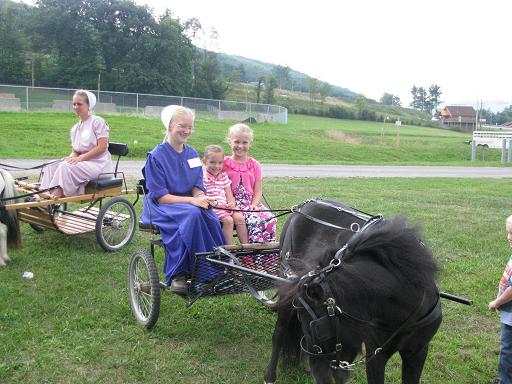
x=503, y=150
x=509, y=150
x=26, y=97
x=137, y=102
x=473, y=150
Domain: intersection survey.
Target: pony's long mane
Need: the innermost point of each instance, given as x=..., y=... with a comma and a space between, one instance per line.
x=9, y=218
x=391, y=244
x=397, y=247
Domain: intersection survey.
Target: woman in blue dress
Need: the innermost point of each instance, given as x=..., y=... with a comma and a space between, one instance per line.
x=177, y=203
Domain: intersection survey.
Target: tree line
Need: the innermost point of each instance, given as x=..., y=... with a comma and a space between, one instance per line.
x=120, y=46
x=115, y=43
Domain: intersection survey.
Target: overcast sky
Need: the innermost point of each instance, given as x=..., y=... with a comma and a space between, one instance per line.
x=370, y=46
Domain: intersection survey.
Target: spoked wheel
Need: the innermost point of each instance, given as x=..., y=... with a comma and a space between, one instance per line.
x=144, y=288
x=115, y=224
x=35, y=227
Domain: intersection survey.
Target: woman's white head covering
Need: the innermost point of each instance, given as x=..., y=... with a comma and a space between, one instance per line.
x=91, y=98
x=167, y=114
x=166, y=117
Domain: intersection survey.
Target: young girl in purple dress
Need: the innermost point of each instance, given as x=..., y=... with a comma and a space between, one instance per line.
x=246, y=183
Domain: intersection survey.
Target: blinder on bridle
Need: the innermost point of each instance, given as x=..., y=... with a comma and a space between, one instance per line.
x=326, y=327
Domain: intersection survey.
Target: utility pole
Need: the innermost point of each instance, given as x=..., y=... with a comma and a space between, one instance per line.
x=33, y=67
x=99, y=82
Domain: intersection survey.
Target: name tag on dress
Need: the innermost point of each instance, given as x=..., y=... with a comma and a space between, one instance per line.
x=194, y=163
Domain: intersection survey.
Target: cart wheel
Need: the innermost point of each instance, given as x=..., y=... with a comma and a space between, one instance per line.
x=144, y=288
x=115, y=224
x=35, y=227
x=268, y=297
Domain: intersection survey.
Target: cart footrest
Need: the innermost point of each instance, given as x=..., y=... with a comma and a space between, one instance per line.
x=209, y=279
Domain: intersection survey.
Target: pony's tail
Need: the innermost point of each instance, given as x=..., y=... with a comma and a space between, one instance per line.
x=10, y=218
x=13, y=230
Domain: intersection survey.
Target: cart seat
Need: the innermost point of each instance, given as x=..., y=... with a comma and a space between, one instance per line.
x=101, y=184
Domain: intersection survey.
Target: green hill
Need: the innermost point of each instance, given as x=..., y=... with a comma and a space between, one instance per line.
x=252, y=70
x=342, y=103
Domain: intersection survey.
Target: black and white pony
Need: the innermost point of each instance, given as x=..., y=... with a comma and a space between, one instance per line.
x=364, y=288
x=9, y=225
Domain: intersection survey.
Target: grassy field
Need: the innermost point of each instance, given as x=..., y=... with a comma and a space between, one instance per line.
x=72, y=322
x=304, y=140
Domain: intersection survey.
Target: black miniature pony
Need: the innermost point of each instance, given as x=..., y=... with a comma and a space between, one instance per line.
x=359, y=280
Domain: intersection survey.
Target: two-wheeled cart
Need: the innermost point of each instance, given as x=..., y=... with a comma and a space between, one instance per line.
x=101, y=209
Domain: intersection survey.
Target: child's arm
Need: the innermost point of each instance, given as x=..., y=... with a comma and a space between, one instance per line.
x=258, y=191
x=504, y=298
x=229, y=197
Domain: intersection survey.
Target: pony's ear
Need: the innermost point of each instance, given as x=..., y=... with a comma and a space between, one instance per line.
x=315, y=291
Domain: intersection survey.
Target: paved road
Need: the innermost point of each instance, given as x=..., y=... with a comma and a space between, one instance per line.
x=132, y=168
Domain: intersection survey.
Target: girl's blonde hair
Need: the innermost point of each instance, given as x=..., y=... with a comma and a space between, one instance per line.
x=182, y=111
x=212, y=148
x=240, y=128
x=509, y=220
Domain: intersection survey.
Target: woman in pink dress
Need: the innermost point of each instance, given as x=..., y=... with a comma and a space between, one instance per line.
x=89, y=158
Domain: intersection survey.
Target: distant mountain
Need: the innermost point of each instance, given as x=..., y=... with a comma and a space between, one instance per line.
x=251, y=70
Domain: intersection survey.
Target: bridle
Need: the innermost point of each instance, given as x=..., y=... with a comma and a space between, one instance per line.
x=329, y=326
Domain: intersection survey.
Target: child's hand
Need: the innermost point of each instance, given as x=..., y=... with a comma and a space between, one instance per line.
x=230, y=204
x=493, y=305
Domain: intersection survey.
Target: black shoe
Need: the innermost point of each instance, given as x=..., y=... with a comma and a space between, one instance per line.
x=179, y=285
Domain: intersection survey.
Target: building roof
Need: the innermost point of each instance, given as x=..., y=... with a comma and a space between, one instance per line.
x=458, y=110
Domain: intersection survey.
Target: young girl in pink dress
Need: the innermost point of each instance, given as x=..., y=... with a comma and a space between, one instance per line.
x=246, y=184
x=218, y=187
x=89, y=158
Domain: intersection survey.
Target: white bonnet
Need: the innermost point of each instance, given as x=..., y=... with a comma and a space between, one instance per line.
x=91, y=98
x=167, y=114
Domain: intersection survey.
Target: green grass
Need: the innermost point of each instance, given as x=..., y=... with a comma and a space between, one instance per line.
x=72, y=322
x=304, y=140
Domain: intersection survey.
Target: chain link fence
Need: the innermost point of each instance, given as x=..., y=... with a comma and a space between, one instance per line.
x=23, y=98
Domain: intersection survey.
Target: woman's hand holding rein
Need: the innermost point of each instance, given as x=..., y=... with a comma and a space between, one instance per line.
x=202, y=201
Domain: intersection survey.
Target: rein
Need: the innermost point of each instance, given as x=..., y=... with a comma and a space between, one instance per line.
x=354, y=227
x=29, y=194
x=14, y=167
